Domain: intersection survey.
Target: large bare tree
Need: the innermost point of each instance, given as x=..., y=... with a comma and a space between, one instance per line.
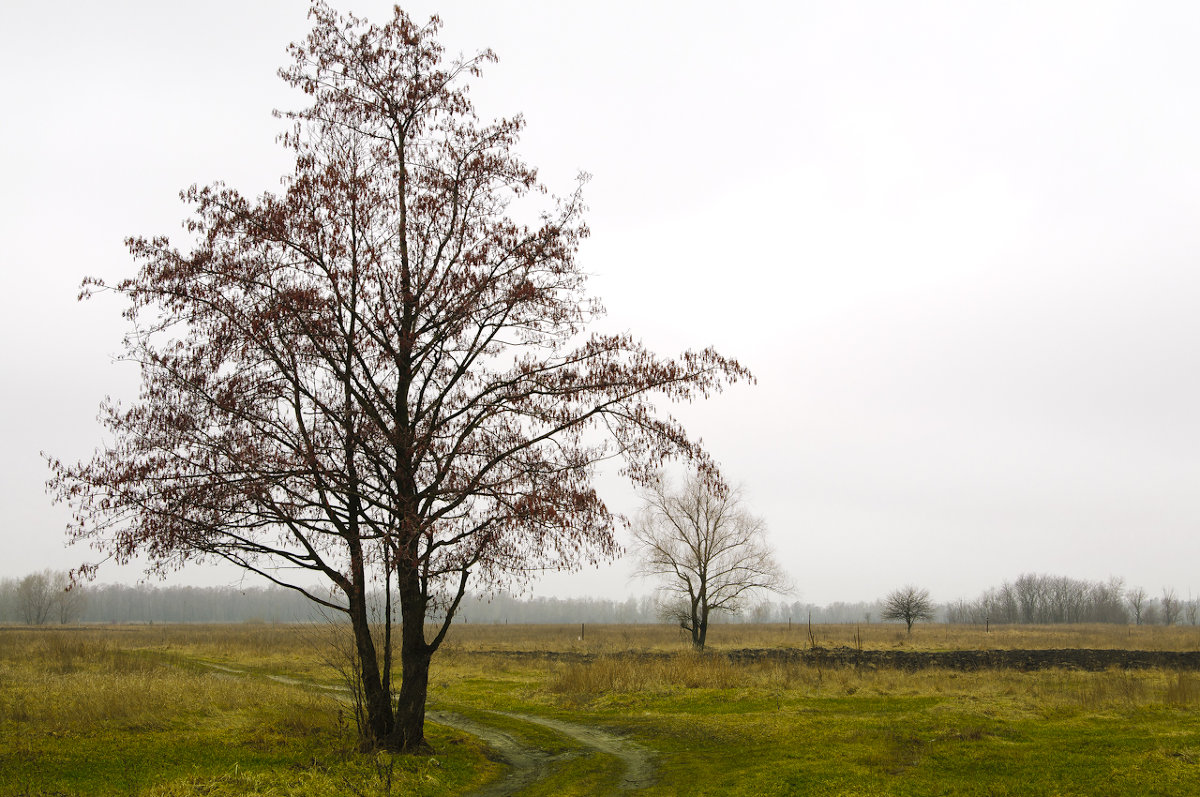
x=378, y=378
x=709, y=551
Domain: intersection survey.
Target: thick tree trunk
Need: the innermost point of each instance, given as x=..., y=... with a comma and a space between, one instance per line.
x=415, y=655
x=410, y=705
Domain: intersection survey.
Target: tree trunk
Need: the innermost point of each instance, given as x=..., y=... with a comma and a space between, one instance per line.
x=415, y=655
x=414, y=686
x=378, y=722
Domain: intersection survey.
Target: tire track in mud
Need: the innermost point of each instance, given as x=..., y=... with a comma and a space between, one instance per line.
x=638, y=760
x=527, y=764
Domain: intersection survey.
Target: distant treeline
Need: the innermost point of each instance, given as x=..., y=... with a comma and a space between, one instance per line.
x=504, y=608
x=1045, y=599
x=42, y=598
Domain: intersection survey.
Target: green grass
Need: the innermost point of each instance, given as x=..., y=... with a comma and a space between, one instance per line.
x=840, y=732
x=908, y=746
x=131, y=712
x=579, y=777
x=86, y=715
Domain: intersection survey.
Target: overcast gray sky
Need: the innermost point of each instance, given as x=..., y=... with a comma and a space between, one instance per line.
x=956, y=242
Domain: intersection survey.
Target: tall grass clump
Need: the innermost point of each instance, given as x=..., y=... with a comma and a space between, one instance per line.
x=1183, y=689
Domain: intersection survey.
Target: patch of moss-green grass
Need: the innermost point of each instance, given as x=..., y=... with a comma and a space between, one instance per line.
x=128, y=762
x=106, y=726
x=856, y=744
x=590, y=775
x=236, y=759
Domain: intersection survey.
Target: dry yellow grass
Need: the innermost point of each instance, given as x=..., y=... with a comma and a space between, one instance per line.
x=76, y=680
x=292, y=646
x=133, y=710
x=599, y=639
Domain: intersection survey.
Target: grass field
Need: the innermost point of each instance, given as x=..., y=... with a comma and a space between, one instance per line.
x=139, y=710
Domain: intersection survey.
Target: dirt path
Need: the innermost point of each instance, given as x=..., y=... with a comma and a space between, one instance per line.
x=639, y=762
x=527, y=764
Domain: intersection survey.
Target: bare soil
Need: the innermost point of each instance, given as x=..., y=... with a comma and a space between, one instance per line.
x=1023, y=660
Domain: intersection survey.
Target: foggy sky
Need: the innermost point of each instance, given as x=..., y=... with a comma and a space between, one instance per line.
x=956, y=242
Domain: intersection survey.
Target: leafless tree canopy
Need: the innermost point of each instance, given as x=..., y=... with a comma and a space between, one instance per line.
x=48, y=596
x=1172, y=607
x=35, y=596
x=710, y=552
x=379, y=377
x=1137, y=602
x=908, y=604
x=1043, y=598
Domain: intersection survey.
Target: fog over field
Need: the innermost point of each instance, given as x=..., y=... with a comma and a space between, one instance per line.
x=956, y=243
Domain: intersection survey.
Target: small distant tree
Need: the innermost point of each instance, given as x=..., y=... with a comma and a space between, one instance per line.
x=711, y=552
x=35, y=597
x=1106, y=602
x=762, y=611
x=8, y=599
x=908, y=604
x=68, y=599
x=1137, y=597
x=1172, y=607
